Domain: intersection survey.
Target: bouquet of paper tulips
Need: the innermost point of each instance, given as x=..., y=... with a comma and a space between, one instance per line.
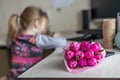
x=81, y=56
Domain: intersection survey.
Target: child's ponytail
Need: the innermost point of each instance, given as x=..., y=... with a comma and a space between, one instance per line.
x=13, y=27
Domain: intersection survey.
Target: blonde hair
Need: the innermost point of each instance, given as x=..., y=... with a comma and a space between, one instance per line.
x=28, y=15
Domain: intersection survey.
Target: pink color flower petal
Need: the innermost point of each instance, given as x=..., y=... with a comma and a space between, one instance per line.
x=74, y=46
x=79, y=54
x=85, y=45
x=72, y=63
x=89, y=53
x=69, y=54
x=82, y=62
x=92, y=61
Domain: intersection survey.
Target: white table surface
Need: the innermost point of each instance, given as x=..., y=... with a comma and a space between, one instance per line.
x=53, y=67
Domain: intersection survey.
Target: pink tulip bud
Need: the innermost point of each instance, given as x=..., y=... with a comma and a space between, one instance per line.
x=82, y=62
x=72, y=63
x=69, y=54
x=98, y=57
x=79, y=54
x=89, y=53
x=74, y=46
x=85, y=45
x=95, y=47
x=92, y=61
x=96, y=53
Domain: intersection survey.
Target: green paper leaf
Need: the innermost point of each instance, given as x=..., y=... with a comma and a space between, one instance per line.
x=101, y=50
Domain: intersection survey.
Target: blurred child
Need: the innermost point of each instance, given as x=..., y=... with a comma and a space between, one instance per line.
x=26, y=40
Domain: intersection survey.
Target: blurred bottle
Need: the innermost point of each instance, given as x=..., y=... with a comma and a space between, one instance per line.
x=109, y=31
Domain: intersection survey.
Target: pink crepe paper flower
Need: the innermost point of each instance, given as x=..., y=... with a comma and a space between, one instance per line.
x=92, y=61
x=89, y=53
x=82, y=62
x=74, y=46
x=79, y=55
x=69, y=54
x=98, y=56
x=96, y=47
x=85, y=45
x=72, y=63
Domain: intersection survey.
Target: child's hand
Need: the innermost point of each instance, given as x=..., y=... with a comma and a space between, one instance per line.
x=56, y=34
